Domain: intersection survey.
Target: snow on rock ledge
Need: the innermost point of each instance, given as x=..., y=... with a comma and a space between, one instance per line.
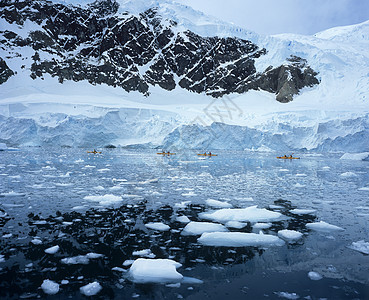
x=155, y=271
x=239, y=239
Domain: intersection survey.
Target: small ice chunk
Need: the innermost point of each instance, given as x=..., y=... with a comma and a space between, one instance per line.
x=262, y=225
x=191, y=280
x=76, y=260
x=36, y=242
x=289, y=235
x=2, y=259
x=104, y=200
x=8, y=235
x=128, y=262
x=158, y=226
x=290, y=296
x=218, y=204
x=235, y=224
x=323, y=227
x=155, y=271
x=198, y=228
x=360, y=246
x=144, y=253
x=50, y=287
x=183, y=219
x=64, y=281
x=356, y=156
x=348, y=174
x=251, y=214
x=365, y=188
x=314, y=275
x=298, y=211
x=239, y=239
x=52, y=250
x=93, y=255
x=91, y=289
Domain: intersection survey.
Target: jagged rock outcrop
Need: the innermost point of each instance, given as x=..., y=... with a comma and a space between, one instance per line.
x=133, y=52
x=5, y=72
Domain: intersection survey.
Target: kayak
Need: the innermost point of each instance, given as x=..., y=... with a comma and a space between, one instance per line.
x=165, y=153
x=281, y=157
x=207, y=154
x=94, y=152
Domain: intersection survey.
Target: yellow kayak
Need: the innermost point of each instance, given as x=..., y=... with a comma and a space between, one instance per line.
x=94, y=152
x=207, y=154
x=282, y=157
x=165, y=153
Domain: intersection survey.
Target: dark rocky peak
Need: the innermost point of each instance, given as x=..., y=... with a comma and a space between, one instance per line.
x=135, y=52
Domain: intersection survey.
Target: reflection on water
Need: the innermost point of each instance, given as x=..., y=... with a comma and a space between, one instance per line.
x=43, y=198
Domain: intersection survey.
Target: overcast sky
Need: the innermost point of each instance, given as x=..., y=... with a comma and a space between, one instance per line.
x=285, y=16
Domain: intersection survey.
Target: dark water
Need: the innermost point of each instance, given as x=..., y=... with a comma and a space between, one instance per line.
x=42, y=194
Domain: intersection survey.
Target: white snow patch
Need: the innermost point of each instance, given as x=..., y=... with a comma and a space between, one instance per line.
x=155, y=271
x=239, y=239
x=198, y=228
x=323, y=227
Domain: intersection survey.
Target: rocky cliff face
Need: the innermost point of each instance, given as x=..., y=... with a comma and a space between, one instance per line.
x=133, y=52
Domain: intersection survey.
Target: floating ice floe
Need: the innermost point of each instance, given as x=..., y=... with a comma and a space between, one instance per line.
x=218, y=204
x=183, y=219
x=262, y=225
x=299, y=185
x=50, y=287
x=155, y=271
x=250, y=214
x=365, y=188
x=290, y=235
x=189, y=194
x=144, y=253
x=323, y=227
x=80, y=259
x=198, y=228
x=104, y=200
x=239, y=239
x=12, y=194
x=36, y=242
x=299, y=211
x=52, y=250
x=235, y=224
x=360, y=246
x=158, y=226
x=286, y=295
x=91, y=289
x=314, y=275
x=356, y=156
x=348, y=174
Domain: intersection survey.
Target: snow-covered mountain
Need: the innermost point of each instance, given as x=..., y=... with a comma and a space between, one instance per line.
x=133, y=72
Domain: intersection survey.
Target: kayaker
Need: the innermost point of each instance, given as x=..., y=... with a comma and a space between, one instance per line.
x=210, y=153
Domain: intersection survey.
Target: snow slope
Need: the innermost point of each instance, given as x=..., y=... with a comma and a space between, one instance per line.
x=332, y=116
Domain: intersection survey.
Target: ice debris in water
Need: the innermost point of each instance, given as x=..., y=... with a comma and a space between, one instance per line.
x=291, y=296
x=262, y=225
x=155, y=271
x=218, y=204
x=356, y=156
x=348, y=174
x=251, y=214
x=289, y=235
x=314, y=275
x=239, y=239
x=91, y=289
x=52, y=250
x=360, y=246
x=80, y=259
x=158, y=226
x=298, y=211
x=198, y=228
x=144, y=253
x=235, y=224
x=104, y=200
x=50, y=287
x=323, y=227
x=183, y=219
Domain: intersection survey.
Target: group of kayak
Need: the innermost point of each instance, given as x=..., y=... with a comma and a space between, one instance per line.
x=200, y=154
x=288, y=157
